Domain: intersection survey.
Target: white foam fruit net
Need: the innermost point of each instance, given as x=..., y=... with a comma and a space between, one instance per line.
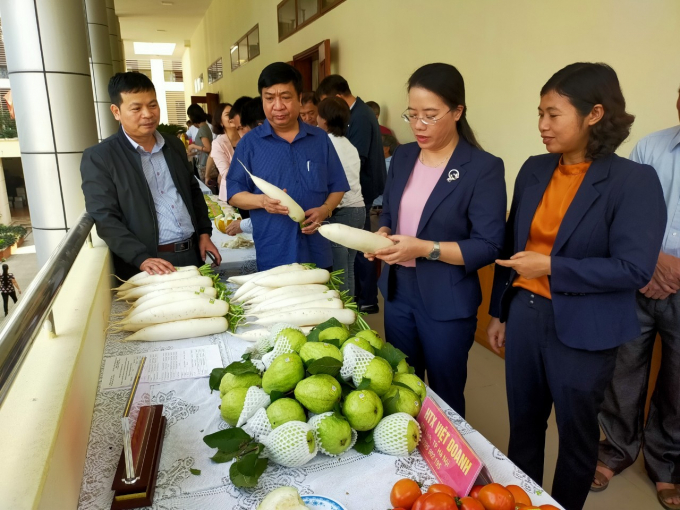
x=315, y=421
x=258, y=425
x=390, y=435
x=287, y=444
x=280, y=344
x=354, y=364
x=256, y=398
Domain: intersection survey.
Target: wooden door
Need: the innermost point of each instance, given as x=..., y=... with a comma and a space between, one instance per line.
x=314, y=64
x=212, y=100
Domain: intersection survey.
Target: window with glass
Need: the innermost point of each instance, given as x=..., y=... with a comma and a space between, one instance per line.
x=246, y=48
x=293, y=15
x=215, y=71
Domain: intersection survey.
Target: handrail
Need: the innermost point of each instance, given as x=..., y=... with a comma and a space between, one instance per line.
x=23, y=325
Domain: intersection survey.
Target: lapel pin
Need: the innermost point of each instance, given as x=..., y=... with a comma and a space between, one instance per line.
x=453, y=175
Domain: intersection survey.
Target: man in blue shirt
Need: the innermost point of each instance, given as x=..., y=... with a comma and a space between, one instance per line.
x=623, y=410
x=296, y=157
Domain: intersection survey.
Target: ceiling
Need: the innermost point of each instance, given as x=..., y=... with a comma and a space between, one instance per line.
x=151, y=21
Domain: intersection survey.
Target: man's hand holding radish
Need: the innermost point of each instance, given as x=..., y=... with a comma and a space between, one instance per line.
x=157, y=266
x=205, y=244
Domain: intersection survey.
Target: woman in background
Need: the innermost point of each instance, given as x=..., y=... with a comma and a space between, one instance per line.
x=203, y=142
x=7, y=287
x=223, y=148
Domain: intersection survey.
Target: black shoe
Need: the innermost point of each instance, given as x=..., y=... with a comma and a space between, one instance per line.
x=369, y=309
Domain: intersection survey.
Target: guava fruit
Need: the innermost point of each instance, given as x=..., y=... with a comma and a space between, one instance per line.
x=232, y=405
x=313, y=351
x=318, y=393
x=406, y=402
x=363, y=409
x=373, y=338
x=295, y=338
x=335, y=332
x=414, y=382
x=379, y=371
x=397, y=434
x=334, y=434
x=362, y=343
x=283, y=374
x=284, y=410
x=283, y=498
x=231, y=381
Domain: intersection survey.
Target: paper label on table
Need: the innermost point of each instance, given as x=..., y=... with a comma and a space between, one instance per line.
x=161, y=366
x=450, y=458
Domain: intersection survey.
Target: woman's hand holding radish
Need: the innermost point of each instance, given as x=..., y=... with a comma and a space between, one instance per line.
x=406, y=248
x=205, y=244
x=157, y=266
x=272, y=206
x=382, y=231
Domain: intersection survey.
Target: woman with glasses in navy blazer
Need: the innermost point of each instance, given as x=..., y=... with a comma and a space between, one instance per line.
x=444, y=205
x=583, y=235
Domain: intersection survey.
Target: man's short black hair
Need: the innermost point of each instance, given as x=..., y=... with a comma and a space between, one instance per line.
x=390, y=142
x=252, y=113
x=279, y=73
x=333, y=85
x=238, y=106
x=128, y=83
x=374, y=106
x=336, y=114
x=196, y=114
x=309, y=97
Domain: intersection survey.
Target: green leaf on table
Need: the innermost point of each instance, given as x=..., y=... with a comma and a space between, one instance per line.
x=195, y=472
x=228, y=440
x=364, y=384
x=221, y=457
x=241, y=367
x=327, y=365
x=391, y=354
x=246, y=471
x=216, y=378
x=330, y=323
x=365, y=443
x=246, y=356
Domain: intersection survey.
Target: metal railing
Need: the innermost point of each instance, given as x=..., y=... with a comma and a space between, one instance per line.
x=23, y=325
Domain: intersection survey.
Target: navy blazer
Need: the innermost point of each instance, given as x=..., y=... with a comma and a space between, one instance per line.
x=468, y=206
x=605, y=250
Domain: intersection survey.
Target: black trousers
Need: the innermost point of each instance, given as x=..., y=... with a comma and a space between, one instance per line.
x=622, y=416
x=365, y=273
x=5, y=299
x=542, y=371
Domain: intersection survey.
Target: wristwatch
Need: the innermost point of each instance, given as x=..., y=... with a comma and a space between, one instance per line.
x=434, y=254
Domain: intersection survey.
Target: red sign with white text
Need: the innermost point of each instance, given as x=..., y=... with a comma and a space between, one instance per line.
x=449, y=456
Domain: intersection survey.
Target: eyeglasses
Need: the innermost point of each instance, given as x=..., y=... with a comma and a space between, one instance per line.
x=413, y=119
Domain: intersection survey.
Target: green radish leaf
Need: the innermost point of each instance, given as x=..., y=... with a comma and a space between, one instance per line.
x=241, y=367
x=195, y=472
x=391, y=401
x=365, y=443
x=246, y=472
x=216, y=378
x=327, y=365
x=391, y=354
x=228, y=440
x=364, y=384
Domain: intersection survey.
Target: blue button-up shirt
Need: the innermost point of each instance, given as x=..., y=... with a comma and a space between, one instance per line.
x=174, y=220
x=662, y=151
x=309, y=169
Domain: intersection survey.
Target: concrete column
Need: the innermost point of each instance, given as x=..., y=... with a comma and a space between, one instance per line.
x=47, y=60
x=114, y=37
x=123, y=67
x=101, y=67
x=158, y=79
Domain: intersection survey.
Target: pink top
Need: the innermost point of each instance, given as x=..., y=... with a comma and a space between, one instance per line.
x=222, y=152
x=418, y=189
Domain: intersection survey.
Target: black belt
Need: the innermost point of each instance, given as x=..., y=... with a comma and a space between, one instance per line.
x=181, y=246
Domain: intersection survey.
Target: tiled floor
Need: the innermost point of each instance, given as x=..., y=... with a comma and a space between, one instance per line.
x=487, y=411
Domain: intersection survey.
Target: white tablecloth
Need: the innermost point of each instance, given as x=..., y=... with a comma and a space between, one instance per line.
x=205, y=189
x=234, y=262
x=358, y=482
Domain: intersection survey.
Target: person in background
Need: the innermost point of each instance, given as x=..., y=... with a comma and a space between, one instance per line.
x=309, y=109
x=203, y=142
x=297, y=158
x=444, y=207
x=140, y=190
x=191, y=131
x=390, y=144
x=333, y=118
x=8, y=284
x=209, y=121
x=252, y=115
x=622, y=415
x=222, y=149
x=364, y=133
x=376, y=109
x=583, y=235
x=235, y=113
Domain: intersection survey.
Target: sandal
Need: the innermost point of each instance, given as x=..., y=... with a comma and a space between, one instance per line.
x=601, y=482
x=665, y=494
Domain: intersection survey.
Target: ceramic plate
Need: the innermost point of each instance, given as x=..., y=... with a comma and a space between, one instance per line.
x=321, y=503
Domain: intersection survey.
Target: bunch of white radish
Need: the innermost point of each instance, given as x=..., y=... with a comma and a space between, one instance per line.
x=172, y=306
x=297, y=294
x=354, y=238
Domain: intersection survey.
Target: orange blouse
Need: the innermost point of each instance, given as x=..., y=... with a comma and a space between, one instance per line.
x=548, y=217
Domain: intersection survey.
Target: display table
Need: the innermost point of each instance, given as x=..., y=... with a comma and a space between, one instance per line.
x=237, y=261
x=358, y=482
x=205, y=189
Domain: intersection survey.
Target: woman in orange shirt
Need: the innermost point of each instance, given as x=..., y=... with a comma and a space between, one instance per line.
x=584, y=233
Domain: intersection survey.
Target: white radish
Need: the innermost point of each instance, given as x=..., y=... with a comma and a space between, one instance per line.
x=241, y=279
x=309, y=317
x=137, y=292
x=208, y=291
x=253, y=335
x=324, y=303
x=251, y=284
x=295, y=278
x=134, y=280
x=160, y=278
x=295, y=212
x=354, y=238
x=191, y=328
x=164, y=299
x=295, y=300
x=179, y=311
x=283, y=292
x=255, y=291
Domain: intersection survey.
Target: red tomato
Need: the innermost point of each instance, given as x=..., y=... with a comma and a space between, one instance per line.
x=519, y=494
x=440, y=487
x=496, y=497
x=404, y=493
x=420, y=502
x=439, y=501
x=468, y=503
x=474, y=492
